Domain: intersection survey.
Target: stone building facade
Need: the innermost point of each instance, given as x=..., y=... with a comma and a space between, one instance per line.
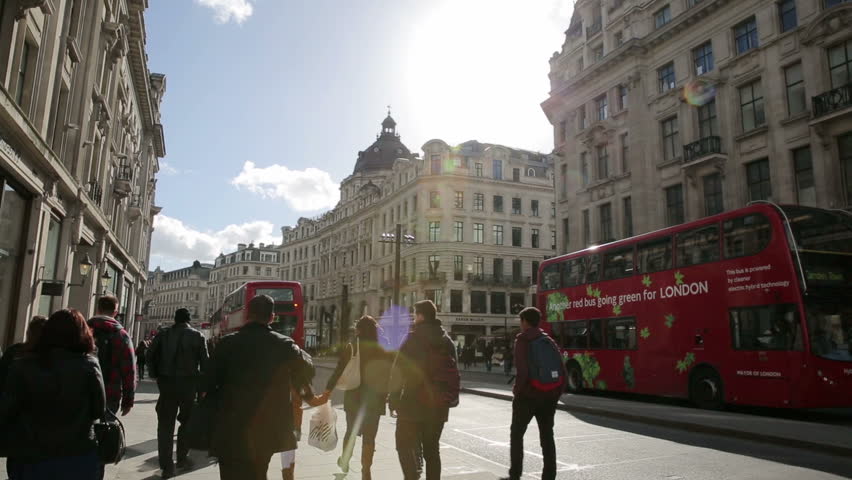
x=665, y=111
x=230, y=271
x=80, y=138
x=182, y=288
x=481, y=217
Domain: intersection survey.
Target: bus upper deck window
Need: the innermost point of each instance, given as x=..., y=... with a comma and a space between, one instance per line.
x=746, y=235
x=593, y=265
x=550, y=277
x=655, y=255
x=697, y=246
x=573, y=272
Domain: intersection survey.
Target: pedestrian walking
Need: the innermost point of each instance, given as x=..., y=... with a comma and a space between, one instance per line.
x=34, y=328
x=430, y=384
x=539, y=381
x=467, y=353
x=141, y=352
x=55, y=393
x=488, y=351
x=508, y=361
x=251, y=378
x=177, y=358
x=365, y=404
x=116, y=356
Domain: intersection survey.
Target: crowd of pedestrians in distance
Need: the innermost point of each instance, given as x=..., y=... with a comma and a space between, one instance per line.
x=69, y=374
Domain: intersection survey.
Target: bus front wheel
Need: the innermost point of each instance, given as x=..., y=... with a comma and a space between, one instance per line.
x=705, y=389
x=574, y=378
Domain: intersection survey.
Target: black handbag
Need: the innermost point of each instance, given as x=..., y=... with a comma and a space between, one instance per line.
x=109, y=432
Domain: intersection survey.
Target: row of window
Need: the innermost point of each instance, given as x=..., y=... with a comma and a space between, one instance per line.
x=742, y=236
x=437, y=167
x=479, y=203
x=767, y=327
x=479, y=234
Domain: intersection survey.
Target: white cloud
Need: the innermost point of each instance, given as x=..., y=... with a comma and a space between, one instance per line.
x=305, y=190
x=175, y=244
x=227, y=10
x=167, y=169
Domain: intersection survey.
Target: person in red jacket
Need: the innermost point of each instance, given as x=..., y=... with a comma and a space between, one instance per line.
x=531, y=401
x=115, y=354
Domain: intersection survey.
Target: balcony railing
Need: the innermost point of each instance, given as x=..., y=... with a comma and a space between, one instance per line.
x=123, y=179
x=95, y=192
x=433, y=277
x=497, y=280
x=832, y=100
x=594, y=28
x=702, y=147
x=134, y=209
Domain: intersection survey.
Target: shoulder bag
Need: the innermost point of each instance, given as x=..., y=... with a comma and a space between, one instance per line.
x=350, y=379
x=109, y=432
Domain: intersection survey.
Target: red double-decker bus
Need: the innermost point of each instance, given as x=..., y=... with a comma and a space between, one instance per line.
x=289, y=309
x=752, y=306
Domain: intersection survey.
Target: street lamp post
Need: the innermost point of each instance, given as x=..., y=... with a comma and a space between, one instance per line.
x=397, y=239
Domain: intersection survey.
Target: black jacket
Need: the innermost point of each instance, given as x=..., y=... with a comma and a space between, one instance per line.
x=51, y=403
x=179, y=351
x=375, y=374
x=414, y=368
x=6, y=360
x=250, y=375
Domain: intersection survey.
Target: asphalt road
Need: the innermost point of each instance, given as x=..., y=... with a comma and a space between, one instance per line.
x=476, y=446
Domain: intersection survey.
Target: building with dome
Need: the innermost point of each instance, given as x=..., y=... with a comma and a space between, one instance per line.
x=482, y=219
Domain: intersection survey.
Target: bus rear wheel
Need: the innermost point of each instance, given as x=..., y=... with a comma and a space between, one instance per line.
x=573, y=378
x=705, y=389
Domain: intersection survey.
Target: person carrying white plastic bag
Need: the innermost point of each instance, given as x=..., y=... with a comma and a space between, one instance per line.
x=323, y=433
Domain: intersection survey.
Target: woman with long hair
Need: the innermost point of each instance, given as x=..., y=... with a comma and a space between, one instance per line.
x=55, y=395
x=365, y=404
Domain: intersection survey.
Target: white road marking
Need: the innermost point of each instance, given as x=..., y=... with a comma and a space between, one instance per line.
x=505, y=444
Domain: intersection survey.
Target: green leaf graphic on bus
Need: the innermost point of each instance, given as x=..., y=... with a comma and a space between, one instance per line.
x=590, y=291
x=600, y=385
x=616, y=310
x=557, y=303
x=589, y=366
x=678, y=278
x=628, y=373
x=645, y=333
x=670, y=319
x=683, y=365
x=646, y=280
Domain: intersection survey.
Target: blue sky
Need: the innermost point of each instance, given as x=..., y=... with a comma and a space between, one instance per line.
x=269, y=101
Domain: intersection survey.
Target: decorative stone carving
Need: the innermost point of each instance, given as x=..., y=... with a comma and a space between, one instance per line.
x=833, y=20
x=23, y=5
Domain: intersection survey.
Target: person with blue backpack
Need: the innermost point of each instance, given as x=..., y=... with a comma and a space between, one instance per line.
x=539, y=382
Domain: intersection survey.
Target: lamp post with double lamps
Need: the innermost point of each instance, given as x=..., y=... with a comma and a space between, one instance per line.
x=398, y=239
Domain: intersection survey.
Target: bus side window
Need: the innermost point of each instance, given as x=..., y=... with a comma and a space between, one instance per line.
x=768, y=327
x=574, y=334
x=698, y=246
x=621, y=333
x=573, y=272
x=655, y=255
x=550, y=277
x=618, y=263
x=596, y=333
x=593, y=266
x=746, y=235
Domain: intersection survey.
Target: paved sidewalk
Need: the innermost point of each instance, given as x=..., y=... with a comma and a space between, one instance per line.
x=826, y=438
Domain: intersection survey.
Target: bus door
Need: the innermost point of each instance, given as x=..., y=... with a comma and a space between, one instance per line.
x=767, y=354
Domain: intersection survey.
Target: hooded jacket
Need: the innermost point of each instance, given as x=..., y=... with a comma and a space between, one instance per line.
x=179, y=351
x=414, y=370
x=119, y=376
x=522, y=387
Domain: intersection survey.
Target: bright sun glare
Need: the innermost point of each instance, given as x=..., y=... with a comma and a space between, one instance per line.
x=478, y=68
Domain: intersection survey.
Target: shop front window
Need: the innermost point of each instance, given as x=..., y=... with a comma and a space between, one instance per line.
x=13, y=224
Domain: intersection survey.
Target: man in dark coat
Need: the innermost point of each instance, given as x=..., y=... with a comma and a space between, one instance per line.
x=250, y=374
x=530, y=402
x=177, y=358
x=427, y=362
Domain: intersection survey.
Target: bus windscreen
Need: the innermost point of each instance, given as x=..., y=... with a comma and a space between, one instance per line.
x=284, y=324
x=277, y=294
x=824, y=241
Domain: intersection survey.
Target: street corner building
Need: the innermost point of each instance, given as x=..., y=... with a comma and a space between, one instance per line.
x=166, y=292
x=666, y=111
x=475, y=220
x=80, y=139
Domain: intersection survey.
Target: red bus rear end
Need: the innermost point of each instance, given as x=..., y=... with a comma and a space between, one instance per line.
x=289, y=309
x=753, y=306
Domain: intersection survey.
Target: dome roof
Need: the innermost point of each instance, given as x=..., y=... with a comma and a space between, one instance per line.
x=384, y=151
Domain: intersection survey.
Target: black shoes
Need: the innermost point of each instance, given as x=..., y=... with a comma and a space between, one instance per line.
x=168, y=473
x=185, y=463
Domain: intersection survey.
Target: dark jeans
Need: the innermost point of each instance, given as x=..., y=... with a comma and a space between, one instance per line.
x=523, y=411
x=367, y=430
x=424, y=434
x=488, y=363
x=80, y=467
x=177, y=396
x=140, y=367
x=244, y=468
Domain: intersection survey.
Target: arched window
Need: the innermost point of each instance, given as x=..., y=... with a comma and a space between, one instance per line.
x=530, y=172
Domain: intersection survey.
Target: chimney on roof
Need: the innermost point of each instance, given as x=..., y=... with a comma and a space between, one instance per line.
x=241, y=246
x=261, y=245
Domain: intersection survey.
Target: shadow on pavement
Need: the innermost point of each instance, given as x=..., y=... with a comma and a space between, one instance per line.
x=143, y=448
x=809, y=459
